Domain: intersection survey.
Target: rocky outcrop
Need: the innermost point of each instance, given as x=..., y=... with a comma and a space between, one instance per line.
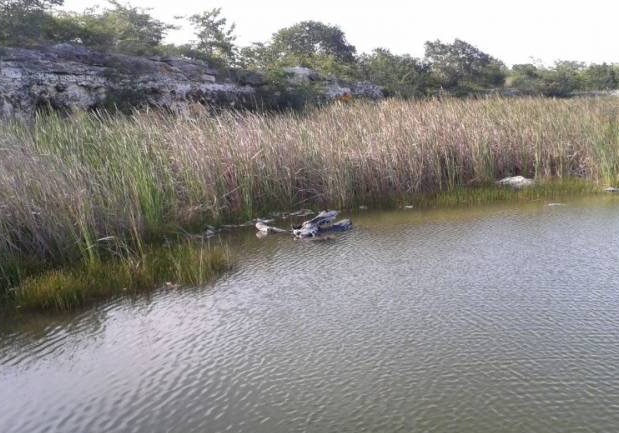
x=70, y=78
x=332, y=88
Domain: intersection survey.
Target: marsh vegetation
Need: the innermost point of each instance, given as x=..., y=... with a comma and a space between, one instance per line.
x=99, y=189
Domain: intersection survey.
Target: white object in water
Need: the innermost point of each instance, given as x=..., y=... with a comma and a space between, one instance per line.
x=265, y=228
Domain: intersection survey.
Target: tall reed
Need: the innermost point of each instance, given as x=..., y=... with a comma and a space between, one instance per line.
x=96, y=185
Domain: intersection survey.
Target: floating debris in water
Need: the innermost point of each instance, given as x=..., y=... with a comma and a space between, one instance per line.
x=314, y=228
x=611, y=189
x=302, y=212
x=263, y=227
x=408, y=206
x=363, y=207
x=555, y=204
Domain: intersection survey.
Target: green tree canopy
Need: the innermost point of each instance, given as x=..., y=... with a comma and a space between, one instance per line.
x=215, y=37
x=600, y=77
x=400, y=75
x=258, y=56
x=563, y=79
x=27, y=22
x=461, y=68
x=527, y=78
x=309, y=43
x=122, y=28
x=309, y=40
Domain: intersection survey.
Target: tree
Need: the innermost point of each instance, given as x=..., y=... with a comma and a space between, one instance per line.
x=26, y=22
x=123, y=28
x=215, y=37
x=259, y=56
x=308, y=41
x=461, y=68
x=600, y=77
x=403, y=76
x=527, y=79
x=563, y=79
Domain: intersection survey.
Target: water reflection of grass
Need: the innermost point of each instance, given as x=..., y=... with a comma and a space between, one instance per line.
x=69, y=186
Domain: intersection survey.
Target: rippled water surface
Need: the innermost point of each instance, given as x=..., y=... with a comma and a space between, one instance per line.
x=503, y=318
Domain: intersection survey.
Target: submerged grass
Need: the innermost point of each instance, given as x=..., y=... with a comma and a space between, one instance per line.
x=100, y=190
x=466, y=196
x=69, y=287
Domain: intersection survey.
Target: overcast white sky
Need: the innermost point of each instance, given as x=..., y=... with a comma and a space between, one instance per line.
x=513, y=31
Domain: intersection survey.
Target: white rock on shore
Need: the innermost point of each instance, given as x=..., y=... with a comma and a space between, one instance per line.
x=516, y=182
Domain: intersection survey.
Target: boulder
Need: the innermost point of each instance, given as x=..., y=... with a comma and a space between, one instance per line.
x=300, y=74
x=366, y=90
x=516, y=182
x=335, y=90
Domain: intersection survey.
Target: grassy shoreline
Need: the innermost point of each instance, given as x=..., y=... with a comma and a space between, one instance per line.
x=100, y=189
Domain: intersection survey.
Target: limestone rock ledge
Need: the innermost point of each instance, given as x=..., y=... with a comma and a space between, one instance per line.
x=71, y=78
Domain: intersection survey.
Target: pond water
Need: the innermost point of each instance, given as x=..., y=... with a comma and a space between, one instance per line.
x=499, y=318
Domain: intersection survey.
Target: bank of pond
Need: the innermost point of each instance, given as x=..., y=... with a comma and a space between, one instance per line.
x=137, y=196
x=182, y=258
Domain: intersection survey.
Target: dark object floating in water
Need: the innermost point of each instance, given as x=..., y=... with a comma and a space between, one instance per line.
x=311, y=229
x=320, y=224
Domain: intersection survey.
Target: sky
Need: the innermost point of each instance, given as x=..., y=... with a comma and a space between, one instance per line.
x=520, y=31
